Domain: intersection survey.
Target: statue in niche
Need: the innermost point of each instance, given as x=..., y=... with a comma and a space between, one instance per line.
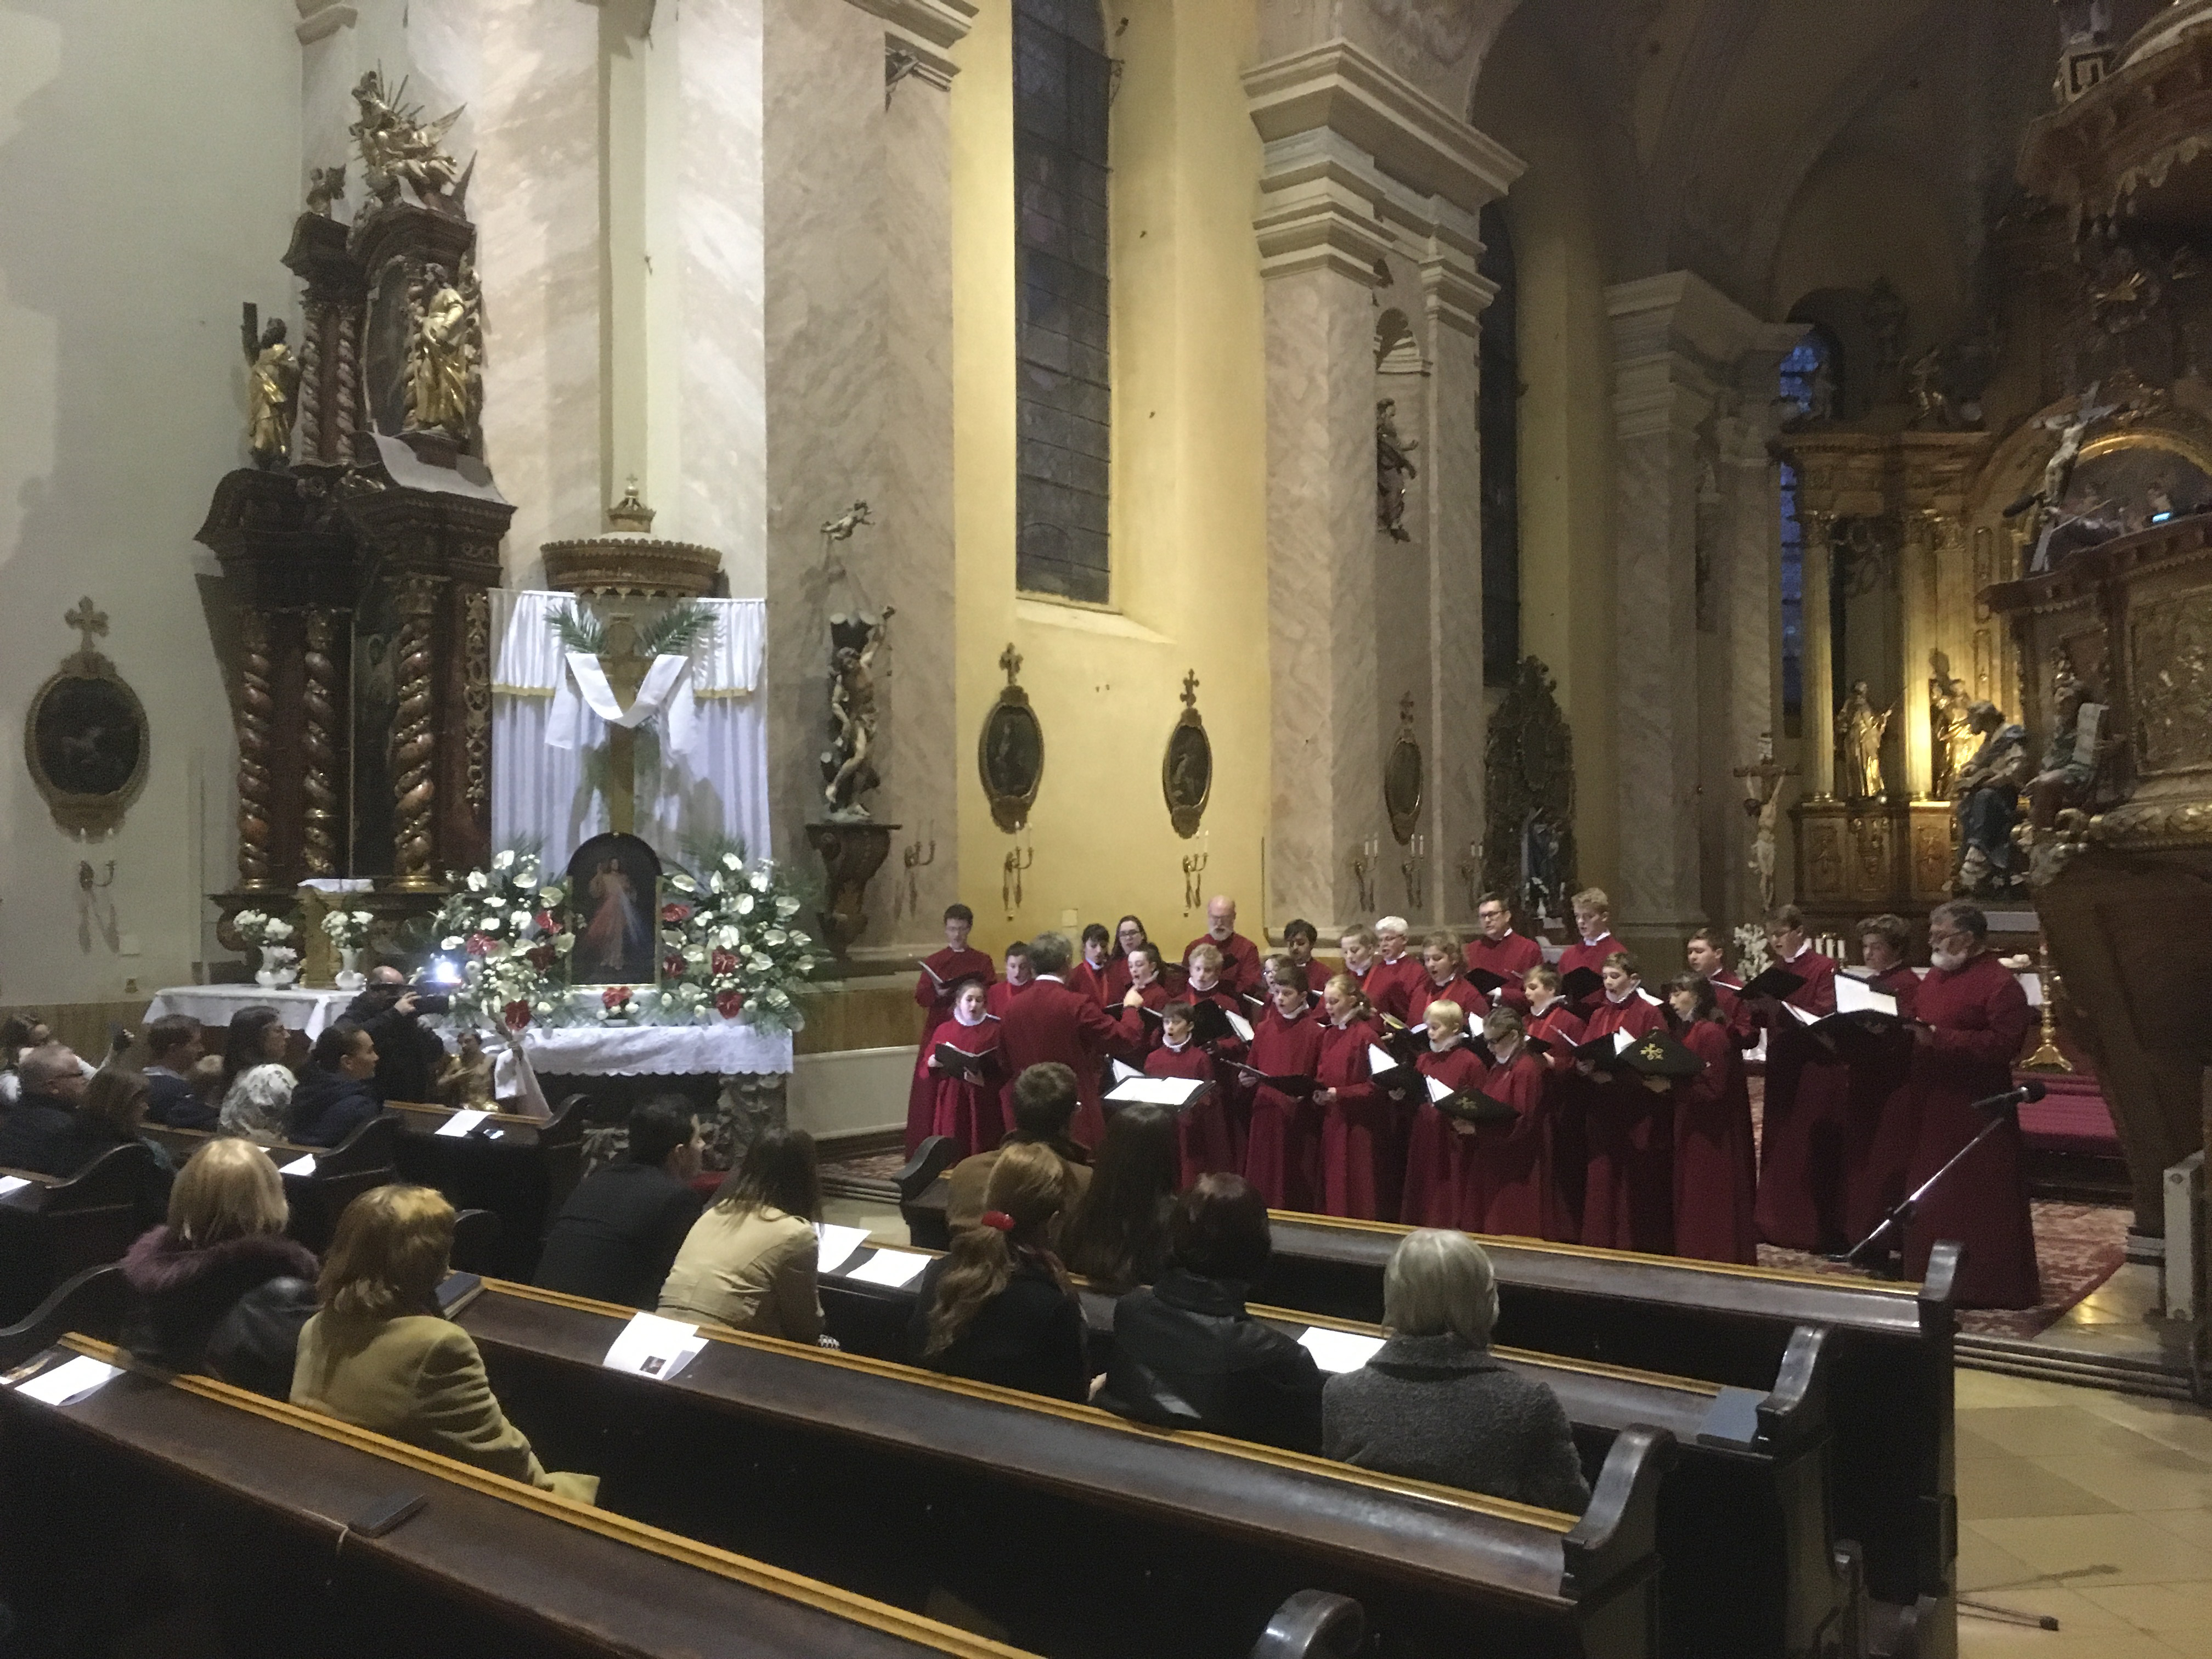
x=1932, y=408
x=1394, y=465
x=272, y=389
x=1885, y=319
x=848, y=773
x=1988, y=792
x=324, y=186
x=2066, y=779
x=2058, y=471
x=1951, y=741
x=399, y=147
x=1860, y=728
x=445, y=352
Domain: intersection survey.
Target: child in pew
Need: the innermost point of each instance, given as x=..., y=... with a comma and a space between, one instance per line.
x=750, y=1263
x=379, y=1358
x=1202, y=1129
x=997, y=1306
x=1434, y=1403
x=1187, y=1354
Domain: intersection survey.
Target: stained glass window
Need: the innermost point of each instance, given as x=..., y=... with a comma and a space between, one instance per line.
x=1811, y=376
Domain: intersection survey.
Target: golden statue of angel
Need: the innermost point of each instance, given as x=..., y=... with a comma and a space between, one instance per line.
x=445, y=351
x=395, y=141
x=272, y=389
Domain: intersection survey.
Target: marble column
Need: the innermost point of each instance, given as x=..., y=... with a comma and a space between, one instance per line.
x=1817, y=706
x=1367, y=184
x=1685, y=357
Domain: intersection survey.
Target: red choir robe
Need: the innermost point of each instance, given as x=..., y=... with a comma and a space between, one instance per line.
x=1628, y=1180
x=1240, y=960
x=1389, y=985
x=1561, y=1028
x=1118, y=981
x=1714, y=1165
x=1878, y=1122
x=1434, y=1189
x=1091, y=981
x=1146, y=1032
x=1355, y=1127
x=1472, y=1002
x=1979, y=1016
x=1591, y=956
x=1052, y=1020
x=940, y=976
x=1318, y=974
x=1282, y=1141
x=1202, y=1134
x=1510, y=1175
x=1227, y=1052
x=1801, y=1154
x=1735, y=1012
x=1512, y=957
x=965, y=1111
x=997, y=997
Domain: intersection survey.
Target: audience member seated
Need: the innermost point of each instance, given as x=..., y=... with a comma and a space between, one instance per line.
x=18, y=1038
x=174, y=1048
x=379, y=1355
x=617, y=1235
x=44, y=1132
x=1045, y=1099
x=998, y=1307
x=1433, y=1404
x=748, y=1262
x=335, y=1098
x=1116, y=1235
x=1186, y=1353
x=220, y=1290
x=254, y=1096
x=408, y=1055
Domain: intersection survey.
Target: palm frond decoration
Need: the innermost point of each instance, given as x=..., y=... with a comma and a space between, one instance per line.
x=678, y=631
x=579, y=630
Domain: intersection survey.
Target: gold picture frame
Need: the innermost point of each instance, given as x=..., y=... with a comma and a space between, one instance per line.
x=1186, y=765
x=86, y=738
x=1404, y=776
x=1010, y=750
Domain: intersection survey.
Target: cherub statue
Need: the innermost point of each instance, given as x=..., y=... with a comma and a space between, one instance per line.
x=1392, y=467
x=1860, y=728
x=445, y=352
x=841, y=528
x=846, y=771
x=324, y=186
x=272, y=389
x=395, y=142
x=1931, y=404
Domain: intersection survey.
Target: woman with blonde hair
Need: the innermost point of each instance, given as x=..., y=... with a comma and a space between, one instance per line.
x=998, y=1307
x=1435, y=1404
x=220, y=1290
x=381, y=1357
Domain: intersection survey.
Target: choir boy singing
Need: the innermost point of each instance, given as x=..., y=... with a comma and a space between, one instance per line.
x=1628, y=1184
x=1515, y=1169
x=1878, y=1126
x=1389, y=985
x=942, y=971
x=1714, y=1159
x=1356, y=1134
x=1594, y=927
x=1497, y=949
x=1019, y=972
x=1300, y=939
x=1437, y=1192
x=1202, y=1129
x=1282, y=1152
x=1442, y=980
x=1800, y=1163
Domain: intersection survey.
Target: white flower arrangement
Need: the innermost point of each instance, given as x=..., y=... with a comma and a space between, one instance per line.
x=509, y=925
x=730, y=950
x=260, y=929
x=349, y=929
x=1753, y=958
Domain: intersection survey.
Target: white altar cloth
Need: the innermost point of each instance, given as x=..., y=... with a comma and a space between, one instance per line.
x=303, y=1009
x=718, y=1051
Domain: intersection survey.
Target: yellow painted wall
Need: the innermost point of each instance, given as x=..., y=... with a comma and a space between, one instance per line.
x=1566, y=416
x=1189, y=527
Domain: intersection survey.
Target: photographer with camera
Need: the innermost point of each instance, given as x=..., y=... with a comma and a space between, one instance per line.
x=407, y=1054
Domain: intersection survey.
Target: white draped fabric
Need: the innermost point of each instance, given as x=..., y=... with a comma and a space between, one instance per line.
x=701, y=768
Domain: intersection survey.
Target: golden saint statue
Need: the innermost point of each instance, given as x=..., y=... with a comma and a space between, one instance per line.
x=444, y=354
x=272, y=390
x=1860, y=728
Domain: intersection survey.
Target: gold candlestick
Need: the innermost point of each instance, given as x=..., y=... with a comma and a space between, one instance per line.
x=2046, y=1057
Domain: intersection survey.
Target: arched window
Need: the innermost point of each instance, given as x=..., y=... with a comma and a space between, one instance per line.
x=1811, y=378
x=1062, y=86
x=1499, y=424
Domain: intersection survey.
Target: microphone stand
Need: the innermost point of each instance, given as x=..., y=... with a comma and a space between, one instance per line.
x=1870, y=1248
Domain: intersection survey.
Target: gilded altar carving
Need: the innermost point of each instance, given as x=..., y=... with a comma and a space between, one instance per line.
x=445, y=351
x=272, y=389
x=2170, y=659
x=475, y=693
x=414, y=739
x=398, y=146
x=256, y=703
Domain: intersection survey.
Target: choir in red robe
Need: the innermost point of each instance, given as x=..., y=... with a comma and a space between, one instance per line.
x=1715, y=1165
x=1878, y=1126
x=964, y=1108
x=1437, y=1192
x=1356, y=1128
x=1239, y=957
x=1801, y=1162
x=943, y=973
x=1509, y=957
x=1512, y=1169
x=1977, y=1016
x=1628, y=1183
x=1202, y=1131
x=1282, y=1142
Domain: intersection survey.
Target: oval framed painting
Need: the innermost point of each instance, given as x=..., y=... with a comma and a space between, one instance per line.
x=1009, y=755
x=87, y=741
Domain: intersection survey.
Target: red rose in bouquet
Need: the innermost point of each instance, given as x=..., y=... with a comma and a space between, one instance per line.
x=674, y=914
x=543, y=958
x=724, y=962
x=479, y=944
x=615, y=995
x=542, y=921
x=671, y=966
x=516, y=1014
x=730, y=1003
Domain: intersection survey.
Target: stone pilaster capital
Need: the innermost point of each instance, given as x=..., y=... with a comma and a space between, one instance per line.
x=939, y=23
x=320, y=18
x=1679, y=343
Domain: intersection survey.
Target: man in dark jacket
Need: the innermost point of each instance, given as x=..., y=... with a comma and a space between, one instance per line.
x=1186, y=1353
x=334, y=1098
x=616, y=1237
x=42, y=1132
x=407, y=1054
x=173, y=1045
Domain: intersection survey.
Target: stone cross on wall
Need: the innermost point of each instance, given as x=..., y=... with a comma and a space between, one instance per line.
x=88, y=621
x=1010, y=660
x=1190, y=689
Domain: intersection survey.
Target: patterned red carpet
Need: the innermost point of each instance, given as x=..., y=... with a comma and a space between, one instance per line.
x=2078, y=1246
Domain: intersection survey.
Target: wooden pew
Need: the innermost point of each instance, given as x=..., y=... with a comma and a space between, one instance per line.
x=1081, y=1532
x=193, y=1516
x=362, y=1160
x=92, y=1302
x=54, y=1228
x=1744, y=1542
x=1890, y=1383
x=519, y=1169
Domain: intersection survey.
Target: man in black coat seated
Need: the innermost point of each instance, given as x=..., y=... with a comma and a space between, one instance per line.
x=42, y=1132
x=334, y=1098
x=1188, y=1356
x=173, y=1045
x=618, y=1234
x=407, y=1054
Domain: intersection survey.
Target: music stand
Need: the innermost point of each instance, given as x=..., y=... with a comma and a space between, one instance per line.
x=2001, y=1108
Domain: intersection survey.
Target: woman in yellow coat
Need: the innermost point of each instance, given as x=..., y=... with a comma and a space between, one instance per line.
x=381, y=1356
